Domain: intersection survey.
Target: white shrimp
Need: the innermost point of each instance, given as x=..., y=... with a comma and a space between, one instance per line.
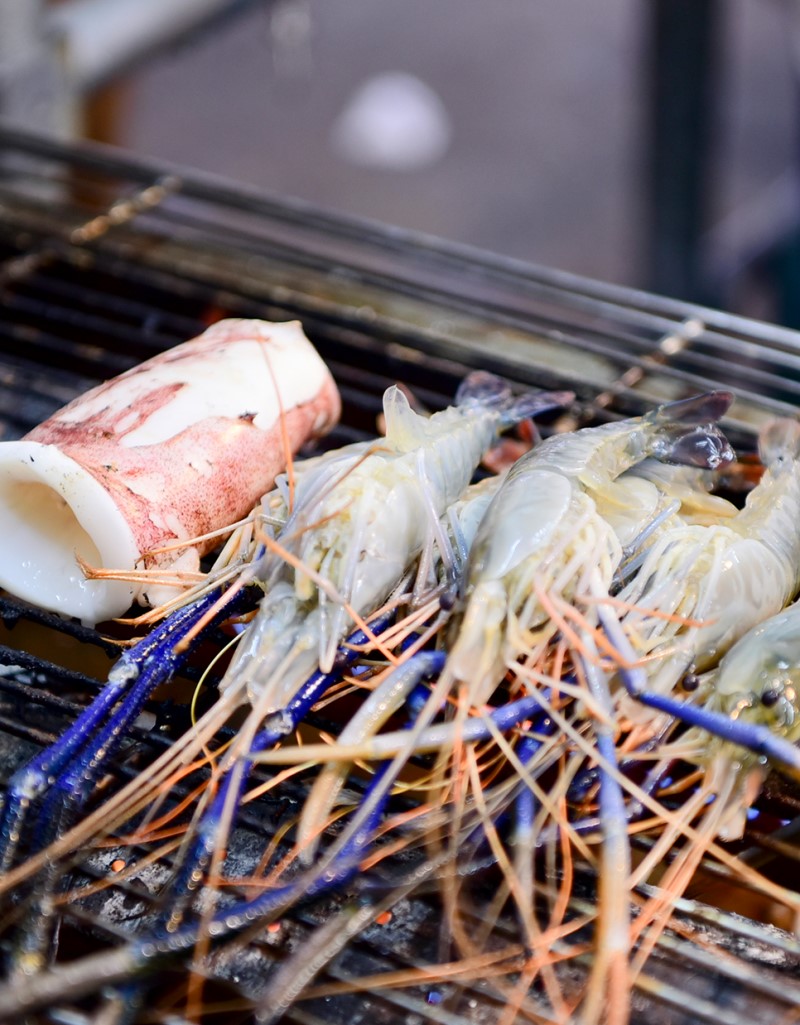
x=543, y=533
x=709, y=584
x=757, y=684
x=357, y=526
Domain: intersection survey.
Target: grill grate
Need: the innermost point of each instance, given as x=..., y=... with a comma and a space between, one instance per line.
x=106, y=260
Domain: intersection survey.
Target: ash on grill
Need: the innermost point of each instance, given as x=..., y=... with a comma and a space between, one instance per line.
x=107, y=260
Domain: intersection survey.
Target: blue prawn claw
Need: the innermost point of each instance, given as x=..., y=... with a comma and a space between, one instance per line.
x=210, y=829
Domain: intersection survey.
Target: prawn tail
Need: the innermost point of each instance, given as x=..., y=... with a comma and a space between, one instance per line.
x=480, y=388
x=703, y=446
x=698, y=409
x=685, y=432
x=405, y=429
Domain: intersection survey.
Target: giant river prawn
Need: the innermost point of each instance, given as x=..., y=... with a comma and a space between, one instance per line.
x=542, y=646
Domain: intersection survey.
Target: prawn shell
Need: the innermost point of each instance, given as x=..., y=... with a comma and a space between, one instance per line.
x=521, y=521
x=177, y=447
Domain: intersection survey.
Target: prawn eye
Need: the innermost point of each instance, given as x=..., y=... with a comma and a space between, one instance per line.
x=341, y=659
x=690, y=682
x=770, y=697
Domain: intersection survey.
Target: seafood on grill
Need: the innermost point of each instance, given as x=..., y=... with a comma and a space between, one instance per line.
x=357, y=528
x=701, y=587
x=566, y=546
x=542, y=548
x=335, y=558
x=376, y=572
x=171, y=450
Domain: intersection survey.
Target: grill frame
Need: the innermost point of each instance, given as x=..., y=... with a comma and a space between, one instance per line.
x=426, y=307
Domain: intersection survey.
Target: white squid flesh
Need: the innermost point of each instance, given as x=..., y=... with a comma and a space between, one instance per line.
x=179, y=446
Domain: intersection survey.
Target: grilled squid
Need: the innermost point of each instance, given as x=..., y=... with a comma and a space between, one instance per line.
x=177, y=447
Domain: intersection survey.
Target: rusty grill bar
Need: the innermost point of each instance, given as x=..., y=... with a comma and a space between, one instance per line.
x=106, y=260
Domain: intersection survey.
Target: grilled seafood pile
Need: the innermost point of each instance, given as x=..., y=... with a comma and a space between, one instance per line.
x=530, y=673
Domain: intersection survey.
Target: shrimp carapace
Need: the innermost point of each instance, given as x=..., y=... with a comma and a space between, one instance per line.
x=700, y=588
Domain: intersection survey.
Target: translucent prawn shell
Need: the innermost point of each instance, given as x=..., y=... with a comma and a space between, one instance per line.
x=376, y=513
x=543, y=530
x=725, y=578
x=541, y=485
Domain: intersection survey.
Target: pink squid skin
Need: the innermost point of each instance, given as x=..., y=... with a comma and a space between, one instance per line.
x=202, y=473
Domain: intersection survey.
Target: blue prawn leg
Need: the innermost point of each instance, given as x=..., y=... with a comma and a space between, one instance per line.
x=74, y=761
x=525, y=803
x=753, y=736
x=609, y=984
x=147, y=954
x=278, y=726
x=207, y=835
x=337, y=867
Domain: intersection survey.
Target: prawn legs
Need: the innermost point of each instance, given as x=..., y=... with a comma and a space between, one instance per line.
x=68, y=770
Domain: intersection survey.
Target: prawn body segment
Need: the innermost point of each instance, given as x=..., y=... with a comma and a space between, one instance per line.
x=504, y=617
x=543, y=535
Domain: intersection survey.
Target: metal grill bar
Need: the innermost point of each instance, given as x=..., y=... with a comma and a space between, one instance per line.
x=517, y=340
x=564, y=288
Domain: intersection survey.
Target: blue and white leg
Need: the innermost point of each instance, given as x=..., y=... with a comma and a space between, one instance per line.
x=74, y=762
x=754, y=737
x=207, y=836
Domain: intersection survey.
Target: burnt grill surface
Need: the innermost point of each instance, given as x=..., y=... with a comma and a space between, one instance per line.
x=106, y=260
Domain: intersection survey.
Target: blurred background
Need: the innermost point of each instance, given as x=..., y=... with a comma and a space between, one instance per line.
x=650, y=143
